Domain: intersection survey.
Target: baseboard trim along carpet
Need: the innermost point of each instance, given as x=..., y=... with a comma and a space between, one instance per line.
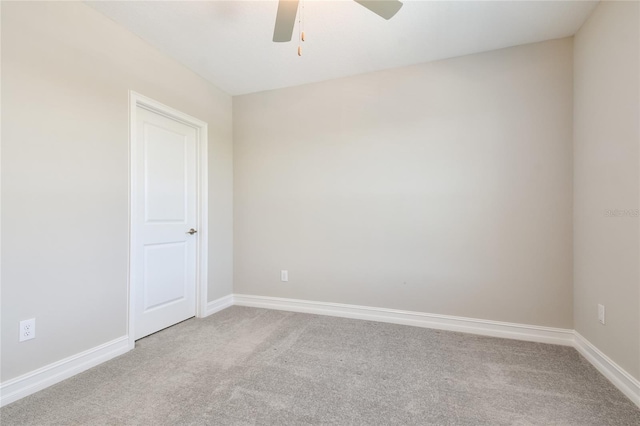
x=532, y=333
x=218, y=305
x=15, y=389
x=34, y=381
x=624, y=381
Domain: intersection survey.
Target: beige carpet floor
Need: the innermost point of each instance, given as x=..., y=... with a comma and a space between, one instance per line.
x=246, y=366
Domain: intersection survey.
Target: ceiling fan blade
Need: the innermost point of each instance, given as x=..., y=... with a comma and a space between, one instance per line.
x=285, y=20
x=383, y=8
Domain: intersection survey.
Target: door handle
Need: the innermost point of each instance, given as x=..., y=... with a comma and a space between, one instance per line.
x=191, y=231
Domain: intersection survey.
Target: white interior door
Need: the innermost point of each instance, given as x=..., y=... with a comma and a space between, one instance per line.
x=164, y=273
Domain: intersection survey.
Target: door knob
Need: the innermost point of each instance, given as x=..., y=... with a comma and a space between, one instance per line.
x=191, y=231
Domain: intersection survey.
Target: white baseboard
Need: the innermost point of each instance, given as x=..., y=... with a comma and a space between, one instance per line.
x=34, y=381
x=218, y=305
x=532, y=333
x=624, y=381
x=14, y=389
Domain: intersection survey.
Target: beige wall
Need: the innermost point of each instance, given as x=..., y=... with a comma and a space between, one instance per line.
x=606, y=149
x=444, y=187
x=66, y=72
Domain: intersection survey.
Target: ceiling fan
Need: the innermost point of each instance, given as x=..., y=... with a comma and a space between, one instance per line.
x=288, y=9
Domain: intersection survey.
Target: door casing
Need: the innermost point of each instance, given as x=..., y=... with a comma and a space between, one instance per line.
x=138, y=100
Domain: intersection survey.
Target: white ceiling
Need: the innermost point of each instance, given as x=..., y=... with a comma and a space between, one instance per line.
x=229, y=42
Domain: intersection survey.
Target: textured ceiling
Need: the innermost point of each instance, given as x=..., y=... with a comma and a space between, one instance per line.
x=229, y=42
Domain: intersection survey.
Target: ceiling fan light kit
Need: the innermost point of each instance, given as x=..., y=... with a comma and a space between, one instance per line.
x=288, y=10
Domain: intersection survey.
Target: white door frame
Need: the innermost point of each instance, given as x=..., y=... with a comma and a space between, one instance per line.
x=137, y=100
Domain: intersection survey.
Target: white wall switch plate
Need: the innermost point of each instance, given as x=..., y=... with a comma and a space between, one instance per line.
x=284, y=276
x=27, y=329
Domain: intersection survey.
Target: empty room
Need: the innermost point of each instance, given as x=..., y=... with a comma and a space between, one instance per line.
x=315, y=212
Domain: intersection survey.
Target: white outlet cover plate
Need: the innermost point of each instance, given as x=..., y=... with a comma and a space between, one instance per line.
x=27, y=329
x=601, y=313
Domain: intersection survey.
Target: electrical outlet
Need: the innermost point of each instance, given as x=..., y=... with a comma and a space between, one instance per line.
x=27, y=329
x=284, y=276
x=601, y=313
